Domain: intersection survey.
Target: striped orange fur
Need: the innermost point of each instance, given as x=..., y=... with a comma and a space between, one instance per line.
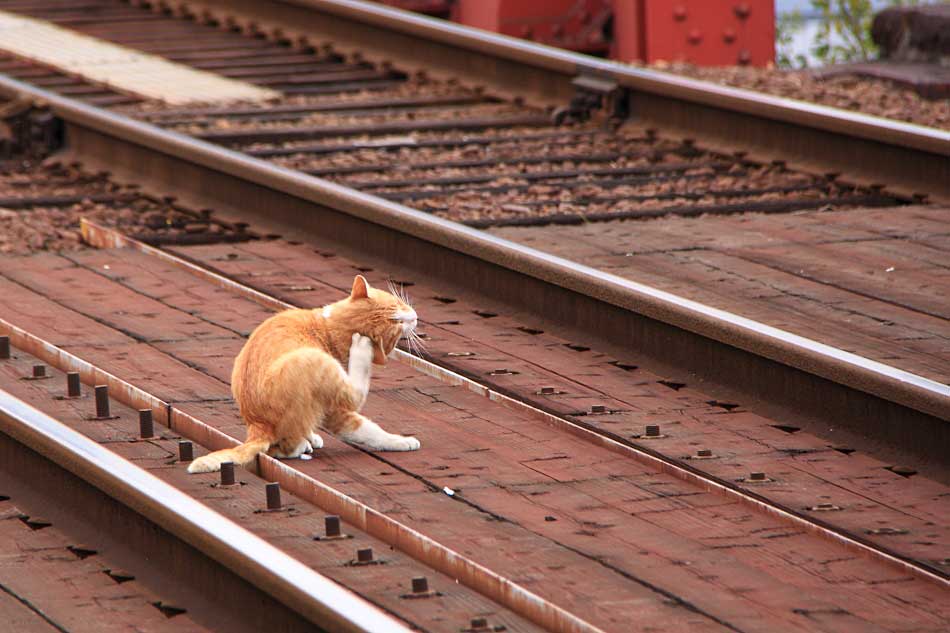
x=304, y=370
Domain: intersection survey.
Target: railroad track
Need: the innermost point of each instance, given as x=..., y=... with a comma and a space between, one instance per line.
x=599, y=456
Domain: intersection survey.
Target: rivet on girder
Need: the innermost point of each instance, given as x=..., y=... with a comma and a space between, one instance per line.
x=273, y=496
x=227, y=474
x=420, y=589
x=756, y=478
x=702, y=453
x=333, y=530
x=365, y=556
x=146, y=428
x=38, y=373
x=73, y=385
x=651, y=432
x=102, y=404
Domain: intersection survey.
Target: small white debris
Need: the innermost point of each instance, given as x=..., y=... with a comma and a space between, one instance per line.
x=106, y=266
x=890, y=270
x=305, y=457
x=448, y=491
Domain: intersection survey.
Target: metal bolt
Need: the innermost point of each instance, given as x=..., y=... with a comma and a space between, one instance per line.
x=757, y=476
x=4, y=347
x=824, y=507
x=73, y=387
x=742, y=10
x=332, y=525
x=598, y=408
x=146, y=429
x=695, y=36
x=364, y=555
x=479, y=624
x=679, y=13
x=273, y=496
x=102, y=401
x=547, y=390
x=39, y=371
x=186, y=452
x=227, y=473
x=729, y=36
x=420, y=584
x=745, y=57
x=652, y=430
x=704, y=452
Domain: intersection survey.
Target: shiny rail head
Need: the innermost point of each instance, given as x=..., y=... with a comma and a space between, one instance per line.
x=314, y=596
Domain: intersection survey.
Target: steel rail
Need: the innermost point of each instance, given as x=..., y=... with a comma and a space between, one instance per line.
x=102, y=237
x=413, y=543
x=290, y=582
x=909, y=157
x=761, y=361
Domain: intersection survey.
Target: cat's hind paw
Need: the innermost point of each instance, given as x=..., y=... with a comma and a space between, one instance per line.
x=279, y=451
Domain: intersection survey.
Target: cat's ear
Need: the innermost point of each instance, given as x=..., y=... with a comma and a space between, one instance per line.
x=360, y=288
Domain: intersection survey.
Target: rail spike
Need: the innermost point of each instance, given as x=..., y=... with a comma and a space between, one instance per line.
x=593, y=93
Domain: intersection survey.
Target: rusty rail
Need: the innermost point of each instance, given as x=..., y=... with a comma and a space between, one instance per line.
x=318, y=599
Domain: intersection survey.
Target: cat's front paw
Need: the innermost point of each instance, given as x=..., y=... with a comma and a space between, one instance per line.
x=404, y=443
x=361, y=349
x=315, y=441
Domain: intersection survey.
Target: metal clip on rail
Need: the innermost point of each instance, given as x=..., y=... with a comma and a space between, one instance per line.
x=593, y=93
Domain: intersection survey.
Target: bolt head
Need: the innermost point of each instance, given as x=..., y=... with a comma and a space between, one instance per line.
x=704, y=452
x=757, y=476
x=420, y=584
x=652, y=430
x=364, y=555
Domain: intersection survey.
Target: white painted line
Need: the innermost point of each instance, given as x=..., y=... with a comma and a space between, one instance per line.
x=118, y=67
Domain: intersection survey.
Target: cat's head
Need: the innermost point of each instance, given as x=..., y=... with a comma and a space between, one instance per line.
x=380, y=315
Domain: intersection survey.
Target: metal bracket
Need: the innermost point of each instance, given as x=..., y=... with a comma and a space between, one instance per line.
x=593, y=93
x=29, y=130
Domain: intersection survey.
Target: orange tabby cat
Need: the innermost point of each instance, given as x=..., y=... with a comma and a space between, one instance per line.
x=289, y=378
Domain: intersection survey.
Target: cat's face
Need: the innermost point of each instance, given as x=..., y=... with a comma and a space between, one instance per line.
x=380, y=315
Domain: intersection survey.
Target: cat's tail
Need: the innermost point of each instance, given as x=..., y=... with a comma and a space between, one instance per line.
x=239, y=455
